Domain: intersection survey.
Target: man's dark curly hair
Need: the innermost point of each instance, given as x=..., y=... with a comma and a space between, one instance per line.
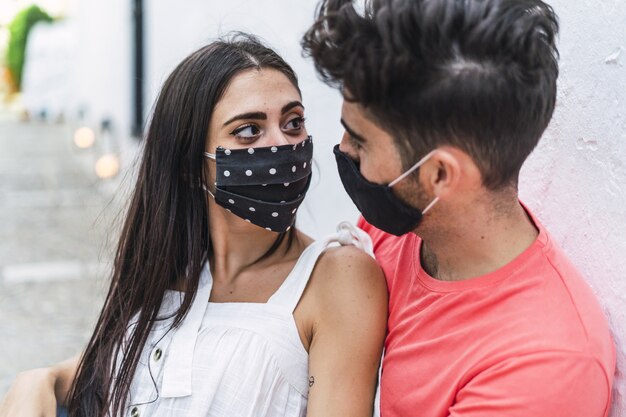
x=479, y=75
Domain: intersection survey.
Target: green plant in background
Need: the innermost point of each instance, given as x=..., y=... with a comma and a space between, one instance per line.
x=19, y=28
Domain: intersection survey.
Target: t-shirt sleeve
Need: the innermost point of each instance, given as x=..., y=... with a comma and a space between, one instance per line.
x=377, y=235
x=362, y=224
x=545, y=384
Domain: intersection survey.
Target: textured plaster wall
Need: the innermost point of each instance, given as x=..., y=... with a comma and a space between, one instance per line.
x=575, y=181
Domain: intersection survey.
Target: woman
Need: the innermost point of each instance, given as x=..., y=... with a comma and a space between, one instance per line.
x=217, y=306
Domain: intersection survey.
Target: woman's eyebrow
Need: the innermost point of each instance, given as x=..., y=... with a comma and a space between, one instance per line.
x=252, y=115
x=290, y=106
x=262, y=116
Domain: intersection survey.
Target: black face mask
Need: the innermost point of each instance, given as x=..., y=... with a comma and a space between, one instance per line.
x=264, y=186
x=376, y=202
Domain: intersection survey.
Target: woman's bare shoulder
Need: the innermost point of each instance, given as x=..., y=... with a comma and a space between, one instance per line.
x=347, y=272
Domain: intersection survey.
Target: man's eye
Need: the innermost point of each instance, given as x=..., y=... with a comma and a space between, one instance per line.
x=356, y=144
x=248, y=131
x=295, y=124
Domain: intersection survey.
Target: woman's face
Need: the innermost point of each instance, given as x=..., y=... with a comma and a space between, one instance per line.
x=259, y=108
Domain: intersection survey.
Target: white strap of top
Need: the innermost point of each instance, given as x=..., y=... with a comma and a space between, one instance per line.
x=290, y=292
x=178, y=365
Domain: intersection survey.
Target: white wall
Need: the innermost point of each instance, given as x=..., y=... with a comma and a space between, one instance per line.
x=102, y=84
x=575, y=181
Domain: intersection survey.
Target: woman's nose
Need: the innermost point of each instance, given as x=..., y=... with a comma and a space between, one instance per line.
x=277, y=137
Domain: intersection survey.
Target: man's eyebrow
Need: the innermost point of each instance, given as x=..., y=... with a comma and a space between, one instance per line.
x=352, y=133
x=252, y=115
x=290, y=106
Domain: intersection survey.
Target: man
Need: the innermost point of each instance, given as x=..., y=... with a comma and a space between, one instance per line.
x=443, y=102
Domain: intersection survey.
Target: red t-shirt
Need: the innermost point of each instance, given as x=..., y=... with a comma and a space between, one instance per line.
x=528, y=340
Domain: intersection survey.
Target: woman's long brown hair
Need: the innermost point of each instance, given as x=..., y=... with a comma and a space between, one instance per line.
x=164, y=240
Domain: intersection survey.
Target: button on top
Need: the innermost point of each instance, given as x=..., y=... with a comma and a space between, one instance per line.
x=134, y=412
x=157, y=354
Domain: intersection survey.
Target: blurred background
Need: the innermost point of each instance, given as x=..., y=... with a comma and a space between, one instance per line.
x=77, y=82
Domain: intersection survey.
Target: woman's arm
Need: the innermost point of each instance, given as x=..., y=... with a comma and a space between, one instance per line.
x=64, y=374
x=349, y=298
x=36, y=393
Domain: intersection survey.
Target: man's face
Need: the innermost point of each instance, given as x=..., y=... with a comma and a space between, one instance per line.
x=371, y=147
x=378, y=158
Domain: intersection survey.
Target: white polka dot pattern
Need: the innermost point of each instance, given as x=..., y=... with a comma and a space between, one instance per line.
x=264, y=185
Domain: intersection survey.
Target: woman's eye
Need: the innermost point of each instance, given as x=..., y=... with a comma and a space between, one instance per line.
x=295, y=124
x=249, y=131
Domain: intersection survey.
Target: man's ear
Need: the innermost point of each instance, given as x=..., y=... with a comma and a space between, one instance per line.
x=442, y=173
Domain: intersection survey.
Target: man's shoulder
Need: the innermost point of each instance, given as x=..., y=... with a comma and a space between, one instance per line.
x=382, y=239
x=395, y=254
x=570, y=302
x=549, y=307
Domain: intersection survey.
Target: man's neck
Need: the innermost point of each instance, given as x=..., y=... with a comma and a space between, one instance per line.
x=482, y=243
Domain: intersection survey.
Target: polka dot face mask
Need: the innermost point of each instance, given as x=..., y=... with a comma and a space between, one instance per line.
x=264, y=186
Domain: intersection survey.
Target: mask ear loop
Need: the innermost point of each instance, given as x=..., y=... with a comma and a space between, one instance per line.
x=432, y=203
x=208, y=191
x=413, y=168
x=211, y=156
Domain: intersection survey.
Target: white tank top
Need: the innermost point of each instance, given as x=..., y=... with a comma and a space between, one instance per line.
x=231, y=359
